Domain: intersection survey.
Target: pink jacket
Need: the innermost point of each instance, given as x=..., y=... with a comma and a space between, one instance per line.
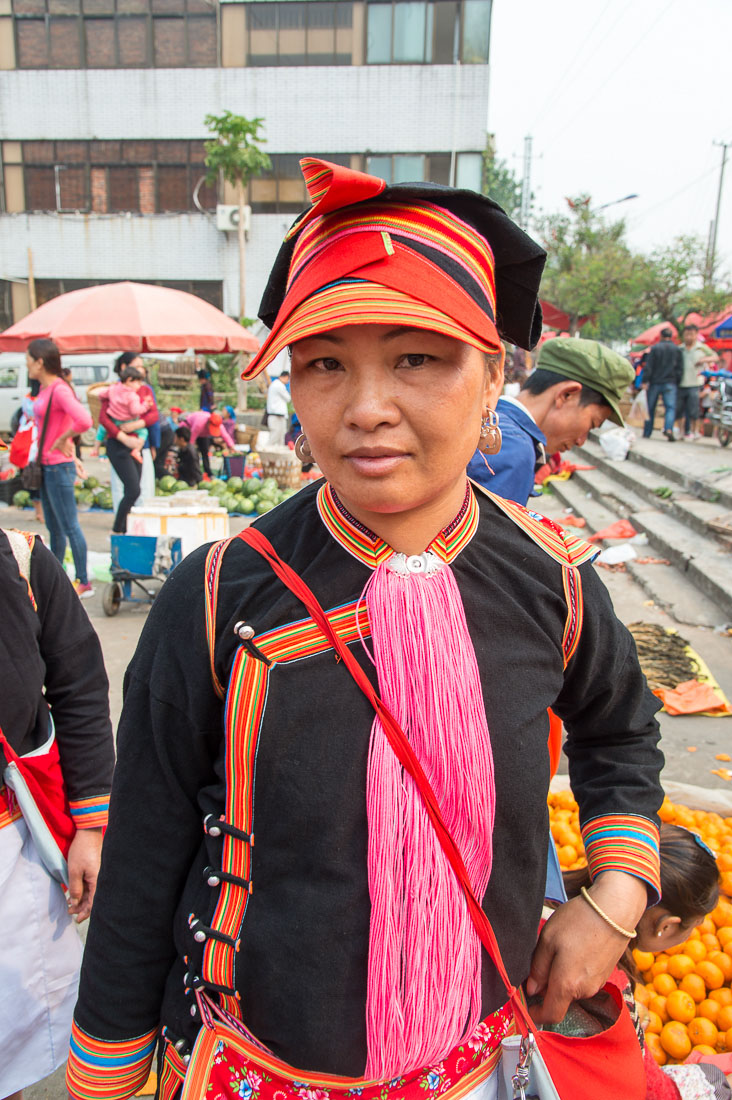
x=67, y=414
x=198, y=423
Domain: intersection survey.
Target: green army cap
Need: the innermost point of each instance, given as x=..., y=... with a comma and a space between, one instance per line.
x=591, y=363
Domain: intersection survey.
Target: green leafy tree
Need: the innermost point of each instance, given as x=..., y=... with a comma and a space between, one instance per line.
x=590, y=271
x=674, y=282
x=499, y=181
x=234, y=153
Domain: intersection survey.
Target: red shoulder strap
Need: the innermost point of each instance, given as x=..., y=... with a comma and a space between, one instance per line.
x=405, y=754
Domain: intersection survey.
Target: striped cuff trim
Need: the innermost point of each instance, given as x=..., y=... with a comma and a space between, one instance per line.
x=98, y=1069
x=620, y=842
x=90, y=813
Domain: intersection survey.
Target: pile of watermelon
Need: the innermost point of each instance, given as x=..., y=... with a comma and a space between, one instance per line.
x=239, y=496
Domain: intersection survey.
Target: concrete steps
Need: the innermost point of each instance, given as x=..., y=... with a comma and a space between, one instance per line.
x=697, y=586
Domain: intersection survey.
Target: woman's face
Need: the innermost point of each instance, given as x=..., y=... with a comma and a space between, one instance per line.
x=35, y=366
x=392, y=414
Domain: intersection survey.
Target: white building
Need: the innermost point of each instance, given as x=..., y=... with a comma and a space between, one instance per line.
x=101, y=126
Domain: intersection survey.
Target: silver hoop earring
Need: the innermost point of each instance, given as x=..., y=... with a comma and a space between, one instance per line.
x=302, y=449
x=490, y=434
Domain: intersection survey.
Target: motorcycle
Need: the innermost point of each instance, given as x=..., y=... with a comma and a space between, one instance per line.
x=721, y=411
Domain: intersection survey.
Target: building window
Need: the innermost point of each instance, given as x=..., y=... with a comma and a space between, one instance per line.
x=143, y=177
x=105, y=34
x=6, y=313
x=282, y=190
x=427, y=31
x=290, y=33
x=410, y=167
x=210, y=291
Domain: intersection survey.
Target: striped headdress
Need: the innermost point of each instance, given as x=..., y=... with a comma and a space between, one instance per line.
x=418, y=254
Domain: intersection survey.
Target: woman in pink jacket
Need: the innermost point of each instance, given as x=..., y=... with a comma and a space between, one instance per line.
x=67, y=417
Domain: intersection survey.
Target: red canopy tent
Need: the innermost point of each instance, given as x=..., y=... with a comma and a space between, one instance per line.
x=653, y=334
x=129, y=317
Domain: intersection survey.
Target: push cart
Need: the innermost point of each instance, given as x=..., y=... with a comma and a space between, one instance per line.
x=140, y=564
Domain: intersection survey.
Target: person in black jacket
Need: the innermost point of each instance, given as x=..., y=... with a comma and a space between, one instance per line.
x=54, y=686
x=662, y=373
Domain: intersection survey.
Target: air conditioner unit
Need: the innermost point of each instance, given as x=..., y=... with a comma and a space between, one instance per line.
x=227, y=218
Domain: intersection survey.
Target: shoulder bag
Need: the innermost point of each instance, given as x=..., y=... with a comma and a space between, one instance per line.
x=538, y=1065
x=31, y=476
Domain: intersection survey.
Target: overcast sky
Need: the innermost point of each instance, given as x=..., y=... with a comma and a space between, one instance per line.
x=620, y=96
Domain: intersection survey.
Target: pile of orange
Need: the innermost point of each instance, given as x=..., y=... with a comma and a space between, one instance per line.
x=686, y=995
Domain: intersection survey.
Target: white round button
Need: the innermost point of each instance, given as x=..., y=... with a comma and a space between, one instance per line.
x=416, y=563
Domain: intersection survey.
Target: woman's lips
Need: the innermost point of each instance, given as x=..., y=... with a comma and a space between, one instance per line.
x=375, y=461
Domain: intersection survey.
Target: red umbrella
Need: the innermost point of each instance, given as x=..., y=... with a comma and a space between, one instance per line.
x=651, y=335
x=129, y=317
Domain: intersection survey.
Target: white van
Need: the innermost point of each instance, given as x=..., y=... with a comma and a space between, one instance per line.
x=14, y=384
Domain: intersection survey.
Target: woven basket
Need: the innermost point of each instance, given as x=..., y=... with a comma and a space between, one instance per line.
x=94, y=400
x=246, y=435
x=283, y=465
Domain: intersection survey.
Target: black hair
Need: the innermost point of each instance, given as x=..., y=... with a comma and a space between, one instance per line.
x=124, y=360
x=542, y=380
x=284, y=373
x=45, y=350
x=689, y=881
x=184, y=432
x=667, y=333
x=131, y=372
x=35, y=387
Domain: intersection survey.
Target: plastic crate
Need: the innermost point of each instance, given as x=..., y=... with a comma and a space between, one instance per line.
x=234, y=465
x=136, y=553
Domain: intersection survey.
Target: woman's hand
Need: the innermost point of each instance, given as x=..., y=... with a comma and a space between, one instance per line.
x=131, y=441
x=80, y=471
x=131, y=425
x=85, y=855
x=577, y=950
x=65, y=445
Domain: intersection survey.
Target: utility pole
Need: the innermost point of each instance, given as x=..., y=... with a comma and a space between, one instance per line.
x=715, y=224
x=526, y=184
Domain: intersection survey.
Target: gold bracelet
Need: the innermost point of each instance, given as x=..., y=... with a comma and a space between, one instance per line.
x=608, y=920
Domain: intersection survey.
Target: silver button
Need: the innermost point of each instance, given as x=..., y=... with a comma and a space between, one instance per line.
x=199, y=937
x=416, y=563
x=186, y=1058
x=194, y=1010
x=214, y=830
x=245, y=631
x=213, y=880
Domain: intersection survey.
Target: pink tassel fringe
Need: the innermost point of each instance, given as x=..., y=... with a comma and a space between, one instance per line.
x=424, y=992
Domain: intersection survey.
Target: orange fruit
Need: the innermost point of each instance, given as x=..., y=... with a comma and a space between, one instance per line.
x=724, y=861
x=721, y=996
x=657, y=1004
x=710, y=941
x=695, y=949
x=709, y=972
x=675, y=1039
x=702, y=1031
x=725, y=882
x=680, y=1006
x=707, y=926
x=641, y=994
x=665, y=984
x=653, y=1042
x=681, y=965
x=660, y=966
x=723, y=961
x=703, y=1049
x=667, y=811
x=712, y=1010
x=644, y=960
x=726, y=1039
x=654, y=1024
x=724, y=1017
x=568, y=855
x=722, y=915
x=724, y=935
x=693, y=984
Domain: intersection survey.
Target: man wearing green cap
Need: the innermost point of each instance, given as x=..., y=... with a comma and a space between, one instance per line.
x=577, y=385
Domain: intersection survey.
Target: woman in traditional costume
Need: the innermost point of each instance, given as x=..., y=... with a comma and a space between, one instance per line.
x=271, y=868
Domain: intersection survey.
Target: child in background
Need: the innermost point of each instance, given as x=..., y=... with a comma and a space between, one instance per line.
x=124, y=404
x=689, y=890
x=189, y=469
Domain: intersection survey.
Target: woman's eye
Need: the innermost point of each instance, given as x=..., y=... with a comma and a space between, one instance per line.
x=415, y=360
x=327, y=364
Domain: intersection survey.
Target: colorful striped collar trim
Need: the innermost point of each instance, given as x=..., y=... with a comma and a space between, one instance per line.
x=371, y=550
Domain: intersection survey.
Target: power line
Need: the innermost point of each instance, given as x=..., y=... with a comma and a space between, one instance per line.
x=636, y=218
x=578, y=57
x=640, y=41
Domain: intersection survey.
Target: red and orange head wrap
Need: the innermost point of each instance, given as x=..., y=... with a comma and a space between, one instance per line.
x=418, y=254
